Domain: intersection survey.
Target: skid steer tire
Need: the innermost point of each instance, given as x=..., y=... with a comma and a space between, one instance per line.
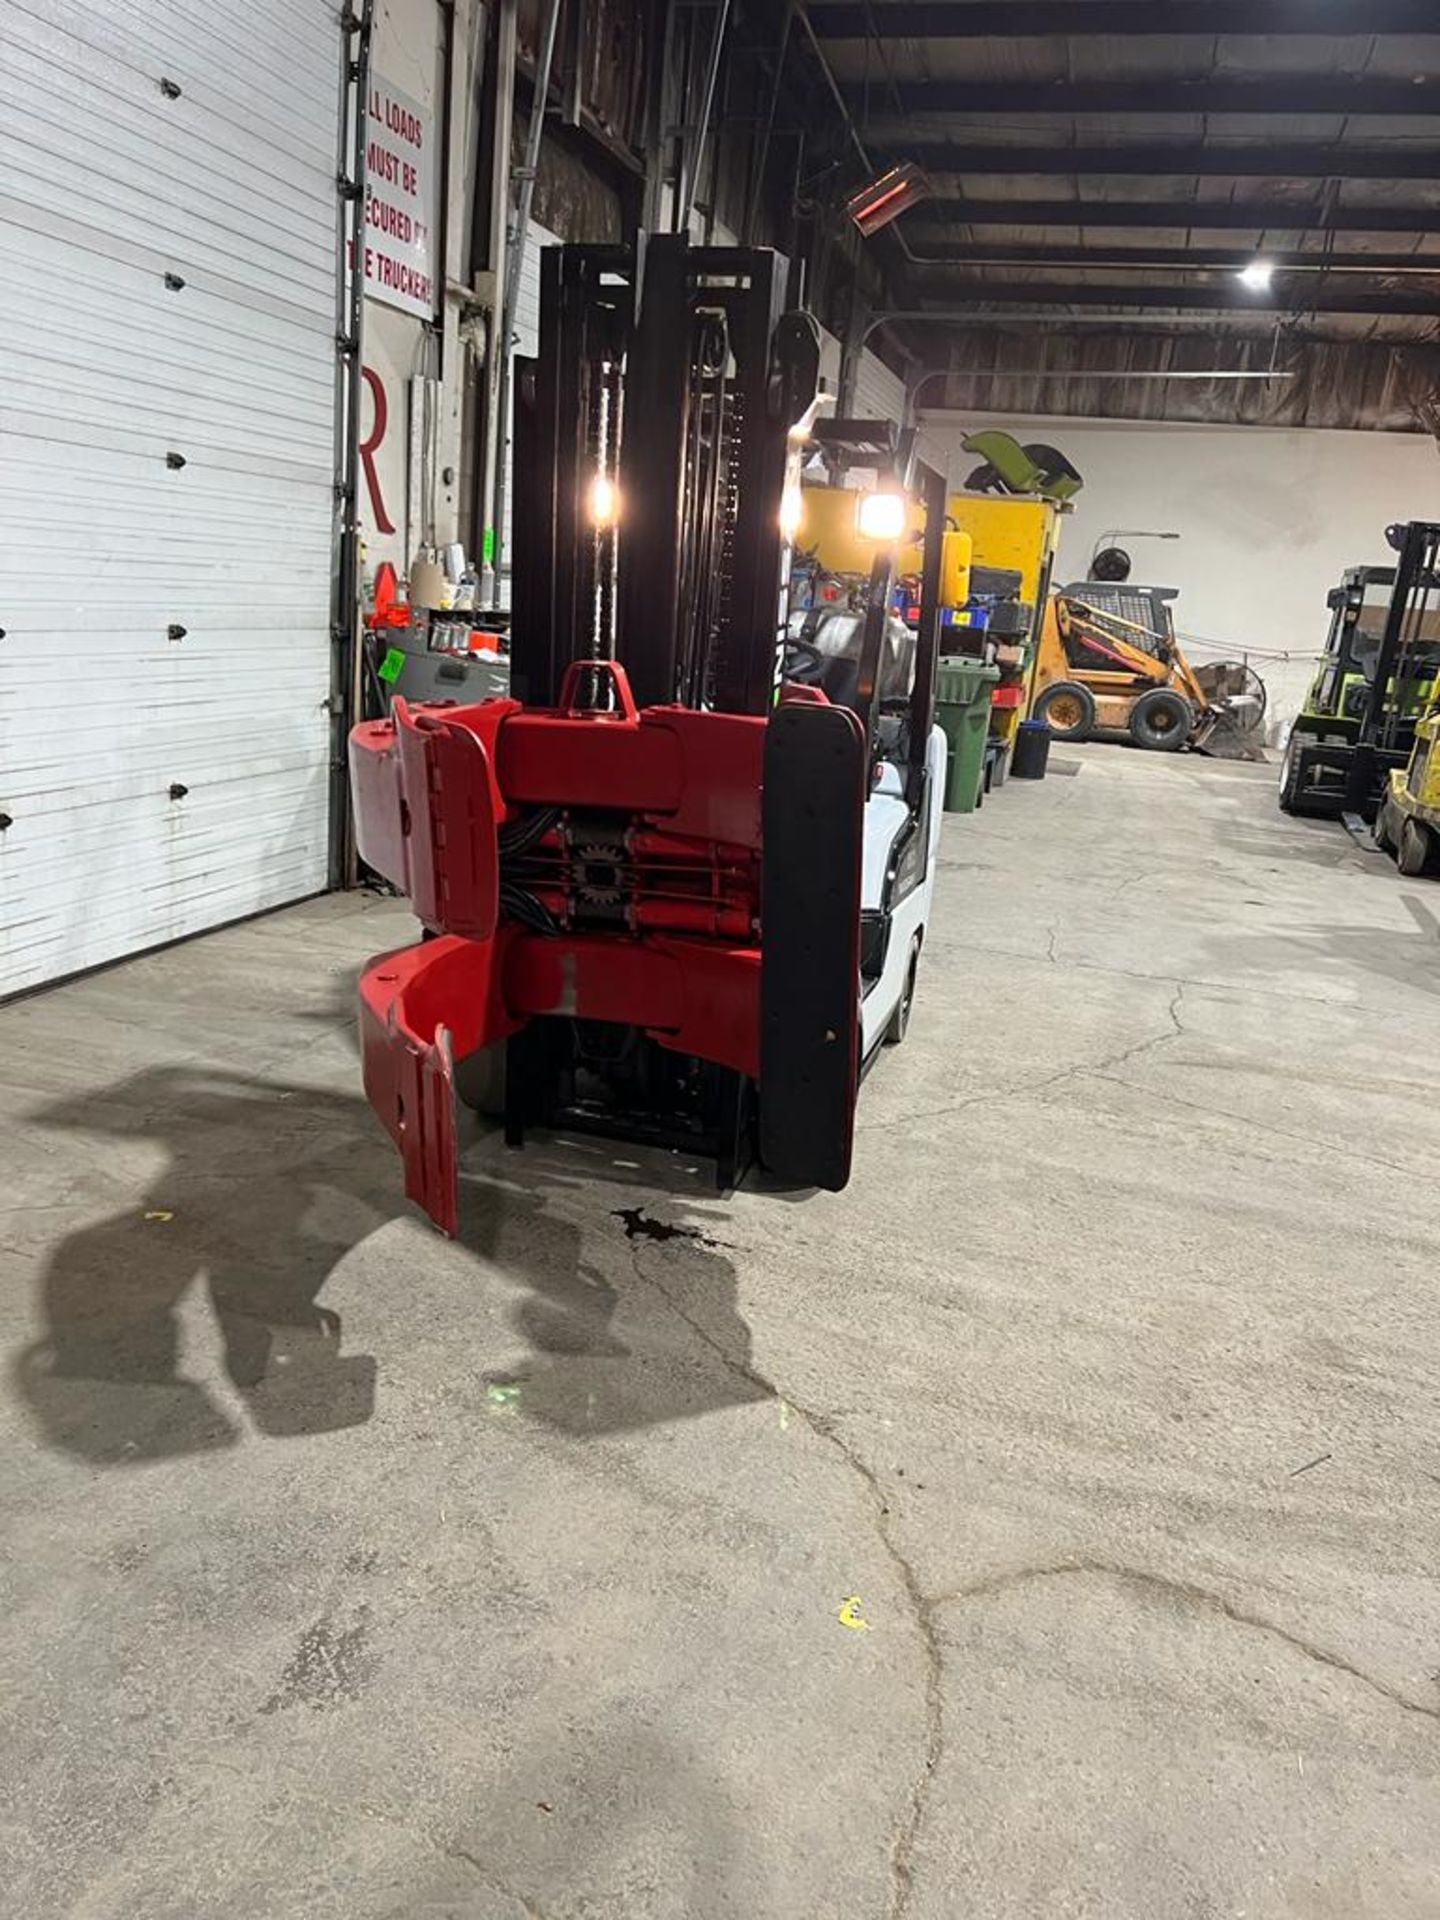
x=1161, y=721
x=1415, y=848
x=1068, y=709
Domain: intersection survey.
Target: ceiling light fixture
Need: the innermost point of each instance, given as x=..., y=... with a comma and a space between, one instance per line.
x=1257, y=276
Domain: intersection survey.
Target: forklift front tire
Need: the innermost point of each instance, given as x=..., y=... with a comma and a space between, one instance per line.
x=1290, y=779
x=900, y=1018
x=1415, y=849
x=1161, y=721
x=1384, y=830
x=1068, y=709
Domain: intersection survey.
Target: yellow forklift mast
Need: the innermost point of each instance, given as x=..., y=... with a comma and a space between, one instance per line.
x=1407, y=824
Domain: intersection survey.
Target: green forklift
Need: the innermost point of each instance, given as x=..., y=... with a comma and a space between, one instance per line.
x=1379, y=671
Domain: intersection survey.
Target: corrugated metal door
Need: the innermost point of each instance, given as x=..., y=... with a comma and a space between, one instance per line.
x=168, y=212
x=830, y=358
x=879, y=393
x=935, y=452
x=527, y=302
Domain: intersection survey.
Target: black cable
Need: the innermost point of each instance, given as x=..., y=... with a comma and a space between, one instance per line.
x=527, y=909
x=703, y=476
x=692, y=529
x=518, y=836
x=711, y=572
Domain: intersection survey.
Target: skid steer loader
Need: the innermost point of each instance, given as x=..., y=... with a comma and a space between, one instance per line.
x=1109, y=660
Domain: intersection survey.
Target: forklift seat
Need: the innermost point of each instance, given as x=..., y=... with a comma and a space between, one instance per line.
x=836, y=635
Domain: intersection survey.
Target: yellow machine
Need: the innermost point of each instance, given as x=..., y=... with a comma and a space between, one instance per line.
x=989, y=535
x=828, y=527
x=1109, y=658
x=1006, y=530
x=1016, y=534
x=1408, y=823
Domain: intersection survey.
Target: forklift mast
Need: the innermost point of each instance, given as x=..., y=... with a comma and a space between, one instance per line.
x=641, y=874
x=1409, y=646
x=665, y=386
x=1359, y=723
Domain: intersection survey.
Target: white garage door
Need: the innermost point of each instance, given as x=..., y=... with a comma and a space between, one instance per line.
x=168, y=295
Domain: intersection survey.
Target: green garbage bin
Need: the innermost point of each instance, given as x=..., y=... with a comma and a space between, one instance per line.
x=962, y=713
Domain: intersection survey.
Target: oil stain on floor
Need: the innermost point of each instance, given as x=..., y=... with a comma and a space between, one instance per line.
x=330, y=1664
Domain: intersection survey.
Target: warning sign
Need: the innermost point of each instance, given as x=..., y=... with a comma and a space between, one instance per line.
x=399, y=198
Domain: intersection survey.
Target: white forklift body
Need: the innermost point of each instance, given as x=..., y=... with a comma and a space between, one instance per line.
x=885, y=1008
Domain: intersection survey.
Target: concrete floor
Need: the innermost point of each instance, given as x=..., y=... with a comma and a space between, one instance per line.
x=1047, y=1525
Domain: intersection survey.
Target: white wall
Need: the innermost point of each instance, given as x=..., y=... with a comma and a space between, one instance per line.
x=1268, y=519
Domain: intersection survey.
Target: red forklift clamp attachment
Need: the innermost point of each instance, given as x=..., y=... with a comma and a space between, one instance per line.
x=643, y=913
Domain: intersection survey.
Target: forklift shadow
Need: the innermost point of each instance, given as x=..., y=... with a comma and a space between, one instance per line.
x=628, y=1302
x=339, y=1014
x=1403, y=958
x=266, y=1186
x=1295, y=841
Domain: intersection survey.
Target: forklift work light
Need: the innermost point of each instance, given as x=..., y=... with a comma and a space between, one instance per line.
x=603, y=502
x=881, y=516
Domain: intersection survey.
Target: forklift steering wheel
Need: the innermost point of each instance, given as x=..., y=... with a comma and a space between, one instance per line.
x=803, y=664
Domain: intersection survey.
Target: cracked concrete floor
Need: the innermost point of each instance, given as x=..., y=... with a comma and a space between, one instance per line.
x=350, y=1572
